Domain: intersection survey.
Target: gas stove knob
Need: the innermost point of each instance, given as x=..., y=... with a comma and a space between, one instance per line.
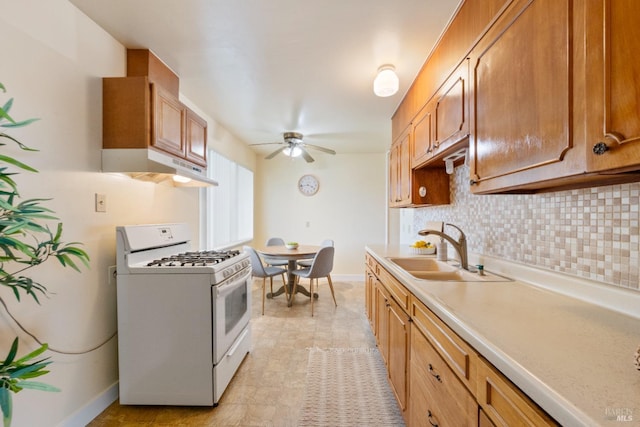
x=226, y=273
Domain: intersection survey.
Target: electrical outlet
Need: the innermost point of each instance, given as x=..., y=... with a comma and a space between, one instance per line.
x=101, y=202
x=112, y=275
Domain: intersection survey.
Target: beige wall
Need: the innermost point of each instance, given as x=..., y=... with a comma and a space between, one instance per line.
x=52, y=63
x=590, y=233
x=349, y=207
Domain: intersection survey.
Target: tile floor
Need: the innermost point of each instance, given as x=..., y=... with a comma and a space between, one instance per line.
x=268, y=389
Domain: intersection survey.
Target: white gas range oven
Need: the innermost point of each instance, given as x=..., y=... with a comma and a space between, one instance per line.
x=183, y=317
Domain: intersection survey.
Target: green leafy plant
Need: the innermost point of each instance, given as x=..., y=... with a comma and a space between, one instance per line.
x=25, y=242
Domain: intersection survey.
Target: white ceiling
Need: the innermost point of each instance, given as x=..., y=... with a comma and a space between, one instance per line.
x=264, y=67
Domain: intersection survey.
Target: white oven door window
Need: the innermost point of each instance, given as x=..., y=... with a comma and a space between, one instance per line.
x=231, y=312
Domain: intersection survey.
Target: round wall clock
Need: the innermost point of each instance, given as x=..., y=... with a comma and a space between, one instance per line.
x=308, y=185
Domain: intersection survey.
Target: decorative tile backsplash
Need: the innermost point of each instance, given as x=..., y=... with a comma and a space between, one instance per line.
x=591, y=232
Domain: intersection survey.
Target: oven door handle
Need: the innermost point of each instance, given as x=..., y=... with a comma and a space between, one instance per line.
x=239, y=340
x=225, y=288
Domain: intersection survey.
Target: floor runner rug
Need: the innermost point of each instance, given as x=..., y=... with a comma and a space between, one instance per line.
x=348, y=387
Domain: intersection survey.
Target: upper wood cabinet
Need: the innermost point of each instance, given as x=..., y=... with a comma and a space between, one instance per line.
x=196, y=138
x=612, y=89
x=444, y=120
x=521, y=109
x=423, y=134
x=139, y=114
x=555, y=97
x=414, y=187
x=547, y=91
x=169, y=122
x=400, y=171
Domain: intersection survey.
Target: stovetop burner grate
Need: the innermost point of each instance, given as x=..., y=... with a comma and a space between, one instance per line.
x=195, y=259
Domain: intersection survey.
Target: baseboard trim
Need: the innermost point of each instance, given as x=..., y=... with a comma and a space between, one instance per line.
x=95, y=407
x=348, y=277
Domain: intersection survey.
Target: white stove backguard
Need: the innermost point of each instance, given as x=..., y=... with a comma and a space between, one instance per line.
x=149, y=236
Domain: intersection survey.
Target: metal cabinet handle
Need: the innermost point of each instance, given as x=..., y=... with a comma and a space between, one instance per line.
x=430, y=416
x=600, y=148
x=434, y=373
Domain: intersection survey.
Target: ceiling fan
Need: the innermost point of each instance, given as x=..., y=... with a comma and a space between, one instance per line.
x=293, y=146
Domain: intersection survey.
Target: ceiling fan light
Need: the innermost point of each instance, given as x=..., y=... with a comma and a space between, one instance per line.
x=292, y=151
x=386, y=82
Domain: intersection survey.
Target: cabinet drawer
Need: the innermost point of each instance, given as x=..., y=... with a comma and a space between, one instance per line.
x=442, y=399
x=504, y=403
x=396, y=289
x=372, y=264
x=456, y=353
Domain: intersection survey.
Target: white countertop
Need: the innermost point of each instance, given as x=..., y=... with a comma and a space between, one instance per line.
x=570, y=355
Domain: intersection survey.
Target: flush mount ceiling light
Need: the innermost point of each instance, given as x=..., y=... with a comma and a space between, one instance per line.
x=386, y=82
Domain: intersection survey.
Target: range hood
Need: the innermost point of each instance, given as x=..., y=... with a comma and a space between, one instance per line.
x=154, y=166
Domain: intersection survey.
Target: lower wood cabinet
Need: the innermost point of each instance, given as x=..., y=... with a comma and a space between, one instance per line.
x=392, y=336
x=504, y=403
x=437, y=397
x=398, y=324
x=437, y=377
x=369, y=296
x=483, y=420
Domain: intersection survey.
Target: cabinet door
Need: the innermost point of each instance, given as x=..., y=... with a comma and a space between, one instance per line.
x=168, y=122
x=394, y=177
x=404, y=170
x=370, y=298
x=382, y=322
x=521, y=97
x=613, y=92
x=422, y=128
x=196, y=139
x=400, y=171
x=398, y=352
x=451, y=110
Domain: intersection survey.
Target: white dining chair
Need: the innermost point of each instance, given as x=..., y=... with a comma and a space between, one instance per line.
x=321, y=266
x=307, y=262
x=262, y=271
x=275, y=241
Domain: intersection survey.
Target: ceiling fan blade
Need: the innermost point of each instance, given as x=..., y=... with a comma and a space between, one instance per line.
x=265, y=143
x=306, y=155
x=317, y=147
x=275, y=153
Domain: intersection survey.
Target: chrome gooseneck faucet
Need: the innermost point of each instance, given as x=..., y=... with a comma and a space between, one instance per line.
x=460, y=245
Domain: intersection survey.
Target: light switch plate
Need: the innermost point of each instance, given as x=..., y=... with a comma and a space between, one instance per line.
x=101, y=202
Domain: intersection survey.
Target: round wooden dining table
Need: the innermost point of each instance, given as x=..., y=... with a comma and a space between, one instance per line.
x=292, y=256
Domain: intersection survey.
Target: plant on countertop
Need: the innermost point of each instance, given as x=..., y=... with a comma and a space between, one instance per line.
x=25, y=242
